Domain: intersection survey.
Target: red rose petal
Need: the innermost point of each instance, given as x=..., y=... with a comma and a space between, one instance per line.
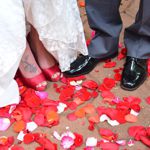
x=46, y=143
x=122, y=54
x=78, y=140
x=40, y=148
x=39, y=119
x=109, y=82
x=91, y=126
x=145, y=140
x=82, y=4
x=132, y=100
x=28, y=138
x=72, y=105
x=107, y=94
x=103, y=88
x=67, y=93
x=107, y=134
x=148, y=100
x=117, y=76
x=27, y=113
x=148, y=131
x=137, y=132
x=15, y=147
x=72, y=117
x=88, y=41
x=110, y=64
x=83, y=94
x=31, y=99
x=90, y=84
x=135, y=107
x=109, y=146
x=94, y=94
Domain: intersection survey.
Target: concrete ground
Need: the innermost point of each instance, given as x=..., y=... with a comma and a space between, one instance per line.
x=128, y=15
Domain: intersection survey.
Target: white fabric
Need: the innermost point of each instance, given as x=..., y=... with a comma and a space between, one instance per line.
x=12, y=46
x=60, y=29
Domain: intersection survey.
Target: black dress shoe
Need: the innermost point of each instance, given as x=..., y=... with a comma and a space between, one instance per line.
x=134, y=73
x=83, y=65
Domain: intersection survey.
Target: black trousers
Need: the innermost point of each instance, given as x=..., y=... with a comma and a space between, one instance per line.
x=104, y=18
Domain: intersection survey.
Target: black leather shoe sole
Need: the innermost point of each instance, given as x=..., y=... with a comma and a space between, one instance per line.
x=94, y=65
x=135, y=88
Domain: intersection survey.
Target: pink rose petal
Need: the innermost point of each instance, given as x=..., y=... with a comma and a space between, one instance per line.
x=131, y=143
x=67, y=142
x=68, y=133
x=93, y=34
x=72, y=117
x=116, y=100
x=89, y=148
x=4, y=124
x=42, y=95
x=12, y=108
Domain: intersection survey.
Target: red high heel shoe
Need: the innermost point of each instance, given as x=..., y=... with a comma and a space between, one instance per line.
x=50, y=72
x=36, y=82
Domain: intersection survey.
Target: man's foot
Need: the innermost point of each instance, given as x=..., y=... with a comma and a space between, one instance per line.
x=134, y=73
x=84, y=64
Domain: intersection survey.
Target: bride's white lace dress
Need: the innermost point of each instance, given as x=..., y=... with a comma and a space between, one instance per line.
x=60, y=29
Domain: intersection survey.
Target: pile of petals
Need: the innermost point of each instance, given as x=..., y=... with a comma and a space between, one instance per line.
x=35, y=109
x=140, y=133
x=41, y=139
x=8, y=142
x=76, y=92
x=38, y=105
x=109, y=140
x=69, y=140
x=125, y=110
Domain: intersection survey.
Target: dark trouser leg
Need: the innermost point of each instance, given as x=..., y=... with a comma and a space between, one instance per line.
x=137, y=36
x=104, y=18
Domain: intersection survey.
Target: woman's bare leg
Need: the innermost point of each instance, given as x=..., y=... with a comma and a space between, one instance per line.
x=28, y=66
x=44, y=58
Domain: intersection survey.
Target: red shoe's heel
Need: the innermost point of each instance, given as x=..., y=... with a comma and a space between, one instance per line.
x=51, y=72
x=36, y=82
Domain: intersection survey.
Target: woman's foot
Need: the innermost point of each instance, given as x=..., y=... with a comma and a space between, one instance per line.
x=45, y=60
x=30, y=71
